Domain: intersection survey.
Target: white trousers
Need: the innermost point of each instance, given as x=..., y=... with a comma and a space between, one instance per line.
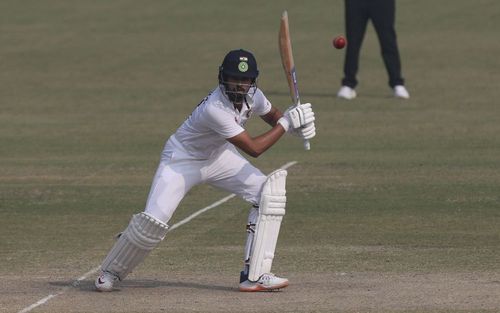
x=177, y=174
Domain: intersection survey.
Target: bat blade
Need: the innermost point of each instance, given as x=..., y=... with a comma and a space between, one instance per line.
x=285, y=47
x=285, y=44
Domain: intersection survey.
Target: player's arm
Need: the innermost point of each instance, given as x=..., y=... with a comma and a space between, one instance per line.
x=255, y=146
x=295, y=117
x=272, y=116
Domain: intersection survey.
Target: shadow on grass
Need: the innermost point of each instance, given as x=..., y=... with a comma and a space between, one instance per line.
x=88, y=285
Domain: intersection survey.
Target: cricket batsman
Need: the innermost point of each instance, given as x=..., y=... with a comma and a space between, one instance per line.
x=203, y=150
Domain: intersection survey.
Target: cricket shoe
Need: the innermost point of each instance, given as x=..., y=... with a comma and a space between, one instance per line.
x=266, y=282
x=401, y=92
x=105, y=281
x=346, y=92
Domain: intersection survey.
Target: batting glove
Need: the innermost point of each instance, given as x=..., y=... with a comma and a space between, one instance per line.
x=297, y=116
x=308, y=131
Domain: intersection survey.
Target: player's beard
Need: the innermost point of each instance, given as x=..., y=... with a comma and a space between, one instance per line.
x=237, y=96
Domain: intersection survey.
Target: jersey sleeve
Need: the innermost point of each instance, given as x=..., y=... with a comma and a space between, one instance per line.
x=221, y=121
x=262, y=105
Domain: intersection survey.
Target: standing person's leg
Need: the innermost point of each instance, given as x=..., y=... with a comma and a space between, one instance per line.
x=235, y=174
x=356, y=20
x=172, y=181
x=147, y=229
x=383, y=18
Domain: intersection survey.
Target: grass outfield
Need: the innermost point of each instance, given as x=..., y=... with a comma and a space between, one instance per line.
x=395, y=209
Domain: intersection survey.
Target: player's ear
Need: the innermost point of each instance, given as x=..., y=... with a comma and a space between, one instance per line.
x=220, y=74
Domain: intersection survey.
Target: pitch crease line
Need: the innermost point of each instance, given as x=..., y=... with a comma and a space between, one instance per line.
x=176, y=225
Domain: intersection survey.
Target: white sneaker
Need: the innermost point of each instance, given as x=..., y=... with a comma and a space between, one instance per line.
x=346, y=92
x=105, y=281
x=266, y=282
x=401, y=92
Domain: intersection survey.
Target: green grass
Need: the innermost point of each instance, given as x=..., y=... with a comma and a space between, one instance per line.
x=91, y=90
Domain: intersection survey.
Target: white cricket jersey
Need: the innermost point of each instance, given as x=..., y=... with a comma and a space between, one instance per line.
x=203, y=135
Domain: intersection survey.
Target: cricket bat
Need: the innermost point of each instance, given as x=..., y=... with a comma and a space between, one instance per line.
x=285, y=45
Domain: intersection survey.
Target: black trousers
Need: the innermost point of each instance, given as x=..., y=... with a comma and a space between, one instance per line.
x=382, y=13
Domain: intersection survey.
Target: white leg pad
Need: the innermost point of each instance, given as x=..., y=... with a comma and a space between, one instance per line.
x=272, y=209
x=142, y=235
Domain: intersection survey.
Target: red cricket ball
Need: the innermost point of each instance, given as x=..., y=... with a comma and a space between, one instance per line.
x=339, y=42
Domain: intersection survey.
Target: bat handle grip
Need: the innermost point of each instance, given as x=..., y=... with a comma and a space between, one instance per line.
x=307, y=145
